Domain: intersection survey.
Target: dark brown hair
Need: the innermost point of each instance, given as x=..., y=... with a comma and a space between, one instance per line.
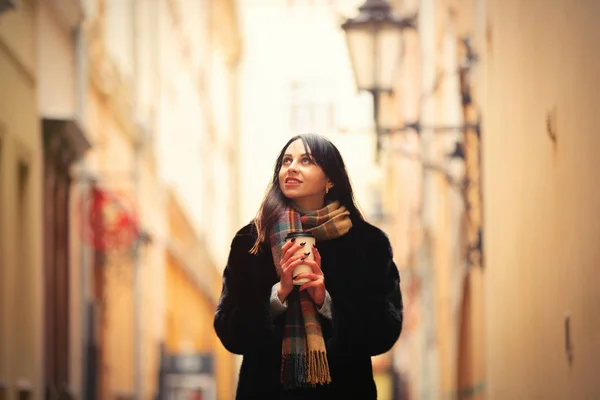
x=326, y=156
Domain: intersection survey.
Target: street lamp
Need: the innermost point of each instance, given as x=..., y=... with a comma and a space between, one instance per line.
x=374, y=40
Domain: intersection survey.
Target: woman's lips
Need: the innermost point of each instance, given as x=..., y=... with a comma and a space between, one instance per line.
x=292, y=182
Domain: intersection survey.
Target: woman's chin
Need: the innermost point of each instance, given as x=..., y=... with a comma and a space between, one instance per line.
x=292, y=194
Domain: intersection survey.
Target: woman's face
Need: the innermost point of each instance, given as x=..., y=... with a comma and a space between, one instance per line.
x=301, y=179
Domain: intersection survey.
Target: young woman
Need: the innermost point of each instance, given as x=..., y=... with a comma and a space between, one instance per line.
x=312, y=341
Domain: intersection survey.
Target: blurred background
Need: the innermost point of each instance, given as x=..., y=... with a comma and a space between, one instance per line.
x=137, y=136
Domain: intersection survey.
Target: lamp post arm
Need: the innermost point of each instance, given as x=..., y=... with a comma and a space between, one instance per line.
x=417, y=127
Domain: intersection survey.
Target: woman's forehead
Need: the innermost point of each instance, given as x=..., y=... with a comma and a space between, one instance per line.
x=297, y=147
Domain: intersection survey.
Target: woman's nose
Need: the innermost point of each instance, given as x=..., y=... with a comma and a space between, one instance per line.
x=293, y=166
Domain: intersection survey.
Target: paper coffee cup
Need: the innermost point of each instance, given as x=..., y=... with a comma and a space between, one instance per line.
x=302, y=237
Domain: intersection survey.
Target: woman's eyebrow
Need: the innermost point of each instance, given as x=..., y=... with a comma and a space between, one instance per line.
x=304, y=154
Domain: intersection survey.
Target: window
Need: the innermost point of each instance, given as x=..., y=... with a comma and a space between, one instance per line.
x=21, y=271
x=119, y=35
x=292, y=3
x=25, y=391
x=311, y=108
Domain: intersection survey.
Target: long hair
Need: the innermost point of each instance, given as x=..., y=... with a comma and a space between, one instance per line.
x=326, y=156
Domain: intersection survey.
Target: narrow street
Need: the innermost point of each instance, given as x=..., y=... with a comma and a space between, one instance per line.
x=137, y=137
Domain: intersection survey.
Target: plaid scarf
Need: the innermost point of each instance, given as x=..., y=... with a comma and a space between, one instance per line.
x=303, y=354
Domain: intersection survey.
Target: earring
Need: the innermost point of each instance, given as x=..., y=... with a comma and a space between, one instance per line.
x=326, y=189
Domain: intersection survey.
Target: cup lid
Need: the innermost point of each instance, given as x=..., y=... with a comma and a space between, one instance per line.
x=298, y=234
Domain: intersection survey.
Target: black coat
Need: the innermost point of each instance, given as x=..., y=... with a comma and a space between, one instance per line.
x=364, y=286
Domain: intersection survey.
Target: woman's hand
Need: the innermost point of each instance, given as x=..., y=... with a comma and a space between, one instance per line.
x=289, y=261
x=316, y=285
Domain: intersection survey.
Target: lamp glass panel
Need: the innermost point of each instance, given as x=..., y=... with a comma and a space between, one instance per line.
x=361, y=46
x=389, y=49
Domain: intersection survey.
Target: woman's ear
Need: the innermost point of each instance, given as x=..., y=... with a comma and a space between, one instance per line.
x=328, y=186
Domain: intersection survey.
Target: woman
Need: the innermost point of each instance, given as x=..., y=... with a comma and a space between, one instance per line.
x=313, y=341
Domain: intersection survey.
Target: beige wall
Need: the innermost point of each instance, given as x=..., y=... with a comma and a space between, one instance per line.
x=21, y=48
x=542, y=198
x=56, y=65
x=20, y=209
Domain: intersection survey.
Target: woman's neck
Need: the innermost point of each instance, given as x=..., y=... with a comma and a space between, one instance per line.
x=306, y=205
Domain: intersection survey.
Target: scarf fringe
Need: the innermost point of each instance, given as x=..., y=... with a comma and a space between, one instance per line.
x=302, y=371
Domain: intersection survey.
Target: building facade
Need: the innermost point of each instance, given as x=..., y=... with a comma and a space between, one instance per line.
x=43, y=142
x=485, y=259
x=149, y=114
x=433, y=198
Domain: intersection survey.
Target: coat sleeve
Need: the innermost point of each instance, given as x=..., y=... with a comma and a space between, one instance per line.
x=368, y=320
x=243, y=319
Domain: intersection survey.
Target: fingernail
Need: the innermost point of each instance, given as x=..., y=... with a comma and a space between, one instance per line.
x=302, y=244
x=293, y=240
x=307, y=254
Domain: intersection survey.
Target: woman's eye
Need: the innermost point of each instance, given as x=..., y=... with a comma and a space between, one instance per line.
x=306, y=161
x=286, y=161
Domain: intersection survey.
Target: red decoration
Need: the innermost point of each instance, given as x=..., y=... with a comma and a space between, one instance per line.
x=110, y=220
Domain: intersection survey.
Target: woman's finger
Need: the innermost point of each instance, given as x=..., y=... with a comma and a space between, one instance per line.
x=286, y=246
x=289, y=252
x=297, y=259
x=309, y=275
x=292, y=263
x=292, y=258
x=312, y=284
x=317, y=256
x=314, y=266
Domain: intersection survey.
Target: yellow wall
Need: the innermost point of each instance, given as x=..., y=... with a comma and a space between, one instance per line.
x=189, y=313
x=119, y=326
x=189, y=322
x=192, y=288
x=542, y=199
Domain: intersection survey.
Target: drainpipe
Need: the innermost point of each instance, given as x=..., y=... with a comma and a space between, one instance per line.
x=137, y=286
x=83, y=183
x=429, y=367
x=138, y=144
